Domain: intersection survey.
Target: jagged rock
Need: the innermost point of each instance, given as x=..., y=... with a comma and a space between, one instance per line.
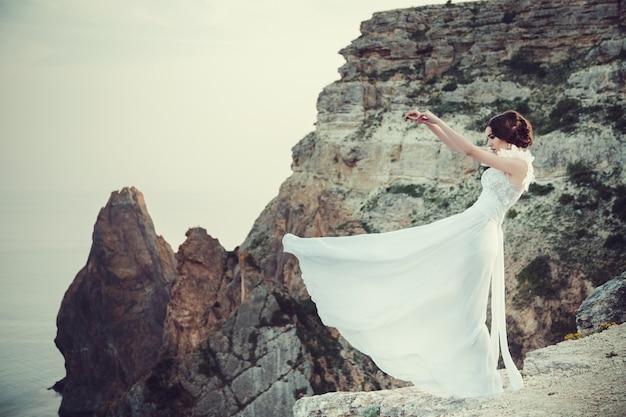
x=596, y=83
x=606, y=304
x=203, y=294
x=110, y=324
x=430, y=41
x=221, y=352
x=255, y=365
x=578, y=378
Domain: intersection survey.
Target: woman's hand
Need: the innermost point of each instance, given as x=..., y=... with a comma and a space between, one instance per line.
x=449, y=137
x=412, y=115
x=427, y=117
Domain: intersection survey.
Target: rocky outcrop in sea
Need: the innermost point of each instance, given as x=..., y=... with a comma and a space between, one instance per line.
x=110, y=324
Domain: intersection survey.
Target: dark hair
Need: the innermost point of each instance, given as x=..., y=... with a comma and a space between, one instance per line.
x=512, y=127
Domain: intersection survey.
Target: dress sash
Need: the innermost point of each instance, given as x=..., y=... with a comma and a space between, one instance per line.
x=499, y=340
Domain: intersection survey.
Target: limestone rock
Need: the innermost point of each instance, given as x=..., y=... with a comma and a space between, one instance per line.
x=606, y=304
x=203, y=295
x=402, y=402
x=363, y=170
x=596, y=83
x=110, y=324
x=578, y=378
x=255, y=365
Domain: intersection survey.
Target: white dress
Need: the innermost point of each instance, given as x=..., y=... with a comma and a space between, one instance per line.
x=415, y=299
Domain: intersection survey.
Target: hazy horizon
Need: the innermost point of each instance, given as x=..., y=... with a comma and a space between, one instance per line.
x=199, y=101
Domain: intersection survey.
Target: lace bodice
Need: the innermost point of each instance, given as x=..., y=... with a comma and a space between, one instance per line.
x=496, y=182
x=499, y=194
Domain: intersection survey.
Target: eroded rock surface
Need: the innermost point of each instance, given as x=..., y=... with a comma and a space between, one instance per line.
x=605, y=305
x=110, y=324
x=204, y=293
x=254, y=365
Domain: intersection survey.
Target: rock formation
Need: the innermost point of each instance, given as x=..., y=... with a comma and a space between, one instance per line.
x=605, y=305
x=253, y=366
x=210, y=332
x=147, y=332
x=110, y=324
x=203, y=295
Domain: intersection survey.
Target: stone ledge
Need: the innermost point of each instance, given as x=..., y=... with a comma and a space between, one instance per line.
x=591, y=384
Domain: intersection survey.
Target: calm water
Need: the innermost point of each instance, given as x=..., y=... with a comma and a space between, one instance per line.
x=44, y=241
x=33, y=282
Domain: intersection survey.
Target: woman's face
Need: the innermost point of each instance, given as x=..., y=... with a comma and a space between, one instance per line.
x=494, y=143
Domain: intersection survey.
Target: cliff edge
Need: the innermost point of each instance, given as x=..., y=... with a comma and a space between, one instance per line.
x=575, y=378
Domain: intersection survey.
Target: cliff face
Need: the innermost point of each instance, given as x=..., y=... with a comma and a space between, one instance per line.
x=364, y=170
x=211, y=332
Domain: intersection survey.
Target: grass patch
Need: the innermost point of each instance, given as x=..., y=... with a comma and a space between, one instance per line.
x=450, y=86
x=615, y=242
x=372, y=411
x=535, y=279
x=412, y=190
x=619, y=205
x=580, y=173
x=565, y=117
x=324, y=350
x=616, y=115
x=538, y=189
x=509, y=17
x=522, y=63
x=511, y=214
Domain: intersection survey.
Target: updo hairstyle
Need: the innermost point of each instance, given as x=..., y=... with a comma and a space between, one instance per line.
x=512, y=127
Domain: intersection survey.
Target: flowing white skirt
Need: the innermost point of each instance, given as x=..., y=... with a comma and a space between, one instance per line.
x=414, y=300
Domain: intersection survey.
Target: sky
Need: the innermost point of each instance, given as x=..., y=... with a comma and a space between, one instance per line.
x=196, y=103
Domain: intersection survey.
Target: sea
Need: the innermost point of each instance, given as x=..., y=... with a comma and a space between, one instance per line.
x=45, y=238
x=44, y=241
x=33, y=281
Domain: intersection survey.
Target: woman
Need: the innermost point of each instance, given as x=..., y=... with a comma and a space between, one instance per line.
x=415, y=300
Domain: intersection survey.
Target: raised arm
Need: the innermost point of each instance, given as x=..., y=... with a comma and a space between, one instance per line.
x=414, y=115
x=516, y=168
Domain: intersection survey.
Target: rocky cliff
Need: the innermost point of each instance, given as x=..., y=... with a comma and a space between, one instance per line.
x=145, y=331
x=363, y=170
x=205, y=332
